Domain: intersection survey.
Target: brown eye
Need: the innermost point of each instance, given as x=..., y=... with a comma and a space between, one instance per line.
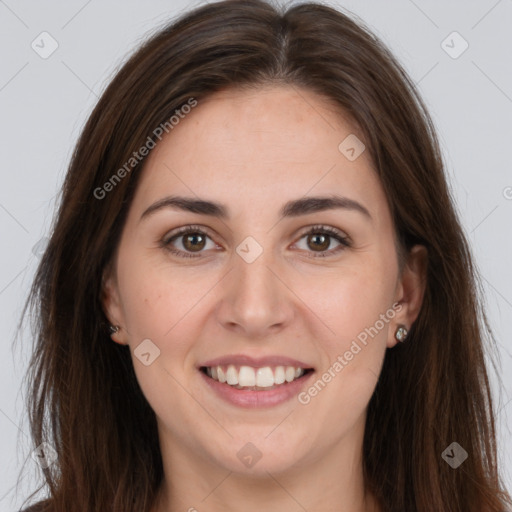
x=319, y=241
x=187, y=242
x=194, y=241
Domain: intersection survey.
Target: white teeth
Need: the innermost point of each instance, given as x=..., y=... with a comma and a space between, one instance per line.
x=264, y=377
x=247, y=376
x=279, y=376
x=232, y=375
x=289, y=373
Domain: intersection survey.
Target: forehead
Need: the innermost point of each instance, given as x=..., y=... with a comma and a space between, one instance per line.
x=258, y=145
x=279, y=118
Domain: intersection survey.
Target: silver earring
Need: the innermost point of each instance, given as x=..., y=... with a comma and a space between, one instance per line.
x=114, y=329
x=401, y=334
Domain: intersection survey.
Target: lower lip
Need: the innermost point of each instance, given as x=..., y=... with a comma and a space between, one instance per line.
x=251, y=399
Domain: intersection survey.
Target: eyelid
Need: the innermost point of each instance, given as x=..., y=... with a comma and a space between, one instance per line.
x=327, y=229
x=340, y=236
x=165, y=242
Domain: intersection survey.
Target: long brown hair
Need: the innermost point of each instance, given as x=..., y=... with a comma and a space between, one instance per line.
x=84, y=398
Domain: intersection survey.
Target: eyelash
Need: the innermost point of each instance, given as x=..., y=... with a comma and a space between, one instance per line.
x=317, y=229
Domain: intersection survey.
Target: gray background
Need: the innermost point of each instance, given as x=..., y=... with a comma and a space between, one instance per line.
x=44, y=103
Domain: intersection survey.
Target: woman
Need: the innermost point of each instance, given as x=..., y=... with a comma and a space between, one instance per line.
x=257, y=294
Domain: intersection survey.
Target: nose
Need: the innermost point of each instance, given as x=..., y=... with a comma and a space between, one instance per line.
x=256, y=299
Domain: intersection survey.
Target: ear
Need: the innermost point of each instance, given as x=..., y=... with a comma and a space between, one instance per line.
x=111, y=304
x=410, y=291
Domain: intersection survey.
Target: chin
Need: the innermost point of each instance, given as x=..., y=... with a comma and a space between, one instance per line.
x=256, y=454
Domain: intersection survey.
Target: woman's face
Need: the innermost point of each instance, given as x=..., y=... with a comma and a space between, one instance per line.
x=252, y=284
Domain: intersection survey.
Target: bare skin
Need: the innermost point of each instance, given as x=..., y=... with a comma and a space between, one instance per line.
x=253, y=151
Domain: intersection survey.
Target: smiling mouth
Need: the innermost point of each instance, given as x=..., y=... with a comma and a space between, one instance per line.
x=249, y=378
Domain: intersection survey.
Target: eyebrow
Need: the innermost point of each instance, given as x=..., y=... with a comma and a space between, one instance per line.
x=293, y=208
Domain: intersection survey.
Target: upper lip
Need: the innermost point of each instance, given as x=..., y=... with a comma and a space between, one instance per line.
x=256, y=362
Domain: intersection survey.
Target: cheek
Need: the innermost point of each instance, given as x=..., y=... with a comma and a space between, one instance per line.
x=357, y=307
x=159, y=306
x=359, y=312
x=157, y=297
x=352, y=299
